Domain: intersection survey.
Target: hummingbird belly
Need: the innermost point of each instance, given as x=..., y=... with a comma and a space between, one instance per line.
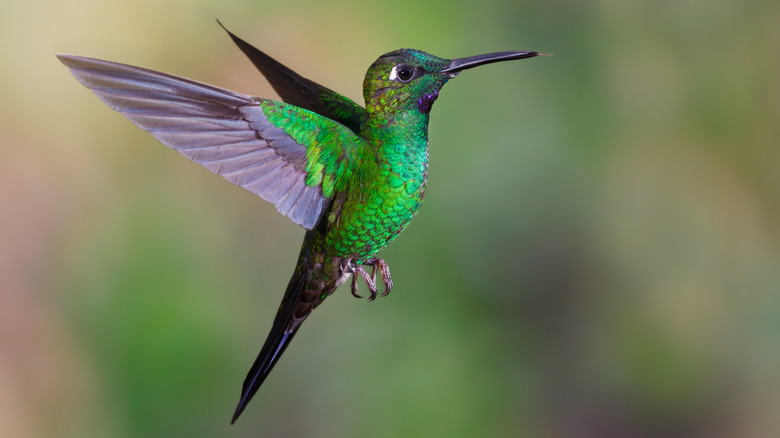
x=379, y=212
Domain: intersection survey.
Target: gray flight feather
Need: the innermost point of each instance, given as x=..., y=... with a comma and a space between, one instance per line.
x=225, y=132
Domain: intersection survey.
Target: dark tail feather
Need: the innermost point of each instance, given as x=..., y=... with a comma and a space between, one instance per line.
x=281, y=334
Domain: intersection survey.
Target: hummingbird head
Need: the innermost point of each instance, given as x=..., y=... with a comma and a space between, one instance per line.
x=410, y=80
x=404, y=80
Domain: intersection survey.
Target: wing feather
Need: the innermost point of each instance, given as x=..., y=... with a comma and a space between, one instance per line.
x=226, y=132
x=301, y=92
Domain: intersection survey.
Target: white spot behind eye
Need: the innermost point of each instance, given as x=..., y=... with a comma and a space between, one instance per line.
x=393, y=73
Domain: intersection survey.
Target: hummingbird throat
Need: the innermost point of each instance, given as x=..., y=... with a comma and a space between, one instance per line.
x=426, y=102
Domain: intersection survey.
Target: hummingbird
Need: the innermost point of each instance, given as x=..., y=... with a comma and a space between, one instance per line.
x=353, y=177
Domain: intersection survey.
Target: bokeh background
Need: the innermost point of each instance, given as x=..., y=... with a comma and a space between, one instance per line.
x=598, y=254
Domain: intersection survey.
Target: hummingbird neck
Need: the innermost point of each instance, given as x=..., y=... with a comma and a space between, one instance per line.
x=405, y=126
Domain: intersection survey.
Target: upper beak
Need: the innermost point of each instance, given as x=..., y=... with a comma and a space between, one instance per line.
x=473, y=61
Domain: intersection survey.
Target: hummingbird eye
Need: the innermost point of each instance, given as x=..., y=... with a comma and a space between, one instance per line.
x=402, y=72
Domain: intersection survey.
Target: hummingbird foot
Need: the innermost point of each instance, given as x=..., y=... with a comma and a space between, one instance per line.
x=384, y=271
x=354, y=270
x=370, y=279
x=370, y=282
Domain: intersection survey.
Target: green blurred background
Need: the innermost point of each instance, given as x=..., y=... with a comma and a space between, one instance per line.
x=598, y=254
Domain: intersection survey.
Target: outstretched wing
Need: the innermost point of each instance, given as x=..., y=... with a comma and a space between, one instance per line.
x=257, y=144
x=299, y=91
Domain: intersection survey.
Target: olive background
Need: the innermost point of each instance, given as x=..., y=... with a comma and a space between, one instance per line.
x=598, y=253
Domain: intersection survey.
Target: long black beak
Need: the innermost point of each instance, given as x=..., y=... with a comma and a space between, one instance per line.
x=473, y=61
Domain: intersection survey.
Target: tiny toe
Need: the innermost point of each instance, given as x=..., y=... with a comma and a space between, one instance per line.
x=384, y=270
x=354, y=287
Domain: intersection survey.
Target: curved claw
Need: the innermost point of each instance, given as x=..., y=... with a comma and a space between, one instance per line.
x=370, y=282
x=376, y=265
x=384, y=271
x=357, y=269
x=355, y=286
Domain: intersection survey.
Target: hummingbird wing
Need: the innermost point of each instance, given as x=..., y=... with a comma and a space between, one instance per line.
x=285, y=155
x=301, y=92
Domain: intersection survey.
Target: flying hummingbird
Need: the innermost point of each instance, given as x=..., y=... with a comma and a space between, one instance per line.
x=353, y=177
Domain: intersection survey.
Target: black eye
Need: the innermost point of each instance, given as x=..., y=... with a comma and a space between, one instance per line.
x=404, y=72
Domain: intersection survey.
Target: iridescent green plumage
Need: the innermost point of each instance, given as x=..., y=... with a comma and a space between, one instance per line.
x=354, y=177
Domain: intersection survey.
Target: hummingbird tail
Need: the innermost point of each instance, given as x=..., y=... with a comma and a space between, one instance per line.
x=314, y=279
x=282, y=332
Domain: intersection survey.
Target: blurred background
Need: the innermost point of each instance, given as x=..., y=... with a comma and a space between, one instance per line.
x=598, y=254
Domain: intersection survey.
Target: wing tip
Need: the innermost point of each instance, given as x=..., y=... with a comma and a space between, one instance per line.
x=71, y=61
